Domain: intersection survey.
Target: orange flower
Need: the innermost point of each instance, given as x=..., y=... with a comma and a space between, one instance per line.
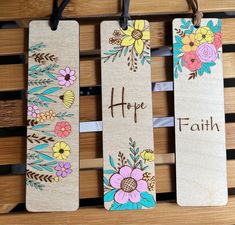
x=189, y=43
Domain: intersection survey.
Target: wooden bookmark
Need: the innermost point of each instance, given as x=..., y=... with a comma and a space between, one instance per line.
x=199, y=113
x=53, y=117
x=129, y=171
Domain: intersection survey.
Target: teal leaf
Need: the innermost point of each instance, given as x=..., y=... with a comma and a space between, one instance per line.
x=51, y=76
x=147, y=200
x=52, y=163
x=39, y=147
x=105, y=180
x=109, y=196
x=46, y=157
x=49, y=169
x=109, y=171
x=36, y=89
x=39, y=126
x=33, y=67
x=36, y=167
x=115, y=206
x=111, y=161
x=45, y=99
x=37, y=161
x=51, y=90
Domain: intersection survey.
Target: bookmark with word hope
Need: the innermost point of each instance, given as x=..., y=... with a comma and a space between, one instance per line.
x=129, y=169
x=53, y=117
x=199, y=113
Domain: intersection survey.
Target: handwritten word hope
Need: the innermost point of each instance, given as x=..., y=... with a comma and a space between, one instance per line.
x=123, y=105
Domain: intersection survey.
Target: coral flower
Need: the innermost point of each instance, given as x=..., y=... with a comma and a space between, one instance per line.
x=67, y=77
x=217, y=40
x=62, y=129
x=189, y=43
x=136, y=36
x=191, y=61
x=130, y=183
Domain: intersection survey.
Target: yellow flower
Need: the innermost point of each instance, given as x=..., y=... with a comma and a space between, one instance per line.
x=204, y=34
x=189, y=43
x=50, y=115
x=41, y=118
x=136, y=36
x=61, y=150
x=68, y=98
x=147, y=155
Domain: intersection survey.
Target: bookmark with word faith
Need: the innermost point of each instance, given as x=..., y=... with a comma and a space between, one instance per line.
x=53, y=117
x=201, y=174
x=129, y=170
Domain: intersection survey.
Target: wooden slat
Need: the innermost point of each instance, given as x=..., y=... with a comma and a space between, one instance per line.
x=91, y=183
x=12, y=112
x=14, y=41
x=22, y=9
x=13, y=148
x=164, y=213
x=13, y=77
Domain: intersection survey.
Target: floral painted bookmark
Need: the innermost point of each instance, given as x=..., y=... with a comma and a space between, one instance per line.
x=53, y=117
x=129, y=170
x=199, y=113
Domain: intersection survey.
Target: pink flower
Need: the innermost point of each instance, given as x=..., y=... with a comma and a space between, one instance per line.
x=217, y=40
x=62, y=129
x=191, y=61
x=67, y=77
x=207, y=52
x=33, y=111
x=63, y=169
x=130, y=183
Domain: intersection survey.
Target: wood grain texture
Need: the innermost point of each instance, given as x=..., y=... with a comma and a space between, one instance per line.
x=127, y=115
x=23, y=9
x=14, y=41
x=52, y=136
x=91, y=183
x=201, y=173
x=97, y=215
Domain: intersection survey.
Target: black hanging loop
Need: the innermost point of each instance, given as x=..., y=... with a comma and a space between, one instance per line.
x=57, y=13
x=125, y=14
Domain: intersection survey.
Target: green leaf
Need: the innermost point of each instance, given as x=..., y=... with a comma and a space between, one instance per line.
x=51, y=90
x=39, y=147
x=36, y=89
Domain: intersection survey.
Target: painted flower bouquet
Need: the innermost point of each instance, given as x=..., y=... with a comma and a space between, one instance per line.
x=127, y=184
x=197, y=49
x=133, y=43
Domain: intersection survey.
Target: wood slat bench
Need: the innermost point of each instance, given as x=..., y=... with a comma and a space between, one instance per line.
x=13, y=78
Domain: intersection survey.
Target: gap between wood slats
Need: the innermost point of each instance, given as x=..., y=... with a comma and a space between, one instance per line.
x=14, y=77
x=164, y=213
x=13, y=186
x=14, y=41
x=24, y=9
x=13, y=149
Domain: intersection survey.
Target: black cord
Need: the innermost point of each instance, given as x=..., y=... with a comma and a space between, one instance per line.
x=57, y=13
x=125, y=14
